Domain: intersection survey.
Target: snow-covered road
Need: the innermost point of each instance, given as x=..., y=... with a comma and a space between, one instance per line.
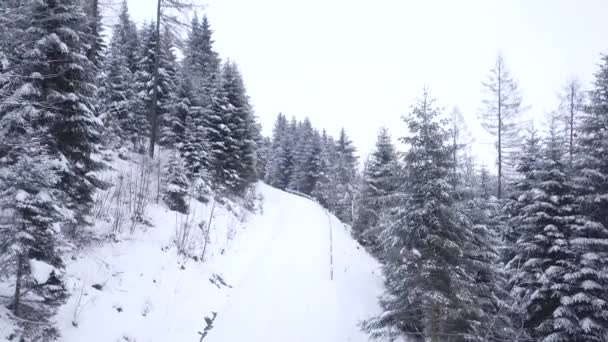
x=287, y=294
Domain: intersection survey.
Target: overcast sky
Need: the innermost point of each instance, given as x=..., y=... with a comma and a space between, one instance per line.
x=360, y=64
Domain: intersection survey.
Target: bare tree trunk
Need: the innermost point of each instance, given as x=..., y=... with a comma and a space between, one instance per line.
x=154, y=105
x=499, y=190
x=571, y=150
x=17, y=301
x=92, y=54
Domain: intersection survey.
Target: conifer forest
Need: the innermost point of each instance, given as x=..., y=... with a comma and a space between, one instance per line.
x=141, y=198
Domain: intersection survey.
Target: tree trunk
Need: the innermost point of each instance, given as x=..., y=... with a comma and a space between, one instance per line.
x=499, y=190
x=571, y=123
x=154, y=105
x=17, y=301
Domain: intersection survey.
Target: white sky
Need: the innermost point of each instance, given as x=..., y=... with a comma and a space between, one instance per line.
x=360, y=64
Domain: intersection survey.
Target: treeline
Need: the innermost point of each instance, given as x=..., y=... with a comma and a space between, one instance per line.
x=70, y=99
x=300, y=158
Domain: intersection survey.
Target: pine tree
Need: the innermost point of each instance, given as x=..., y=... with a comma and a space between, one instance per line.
x=305, y=168
x=501, y=117
x=119, y=98
x=95, y=38
x=279, y=169
x=53, y=84
x=30, y=205
x=325, y=187
x=145, y=80
x=126, y=35
x=263, y=152
x=202, y=61
x=589, y=241
x=171, y=122
x=193, y=146
x=176, y=188
x=242, y=128
x=429, y=275
x=346, y=170
x=379, y=184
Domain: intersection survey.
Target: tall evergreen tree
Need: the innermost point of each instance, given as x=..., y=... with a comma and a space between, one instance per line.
x=428, y=283
x=242, y=128
x=279, y=169
x=590, y=240
x=305, y=169
x=325, y=190
x=53, y=84
x=144, y=82
x=346, y=172
x=177, y=185
x=379, y=184
x=119, y=111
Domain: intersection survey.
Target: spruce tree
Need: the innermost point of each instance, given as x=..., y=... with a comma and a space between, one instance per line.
x=325, y=190
x=177, y=185
x=31, y=206
x=144, y=83
x=53, y=83
x=379, y=184
x=118, y=103
x=346, y=173
x=279, y=168
x=428, y=273
x=242, y=128
x=589, y=241
x=305, y=169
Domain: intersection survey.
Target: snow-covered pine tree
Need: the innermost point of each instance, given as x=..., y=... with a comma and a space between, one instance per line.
x=325, y=187
x=193, y=147
x=280, y=157
x=380, y=181
x=171, y=123
x=501, y=117
x=553, y=290
x=428, y=276
x=144, y=83
x=30, y=209
x=95, y=37
x=127, y=37
x=119, y=115
x=176, y=188
x=202, y=61
x=264, y=148
x=590, y=240
x=242, y=128
x=346, y=172
x=52, y=83
x=306, y=148
x=222, y=147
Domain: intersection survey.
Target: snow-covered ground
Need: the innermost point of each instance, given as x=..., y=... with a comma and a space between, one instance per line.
x=287, y=294
x=266, y=277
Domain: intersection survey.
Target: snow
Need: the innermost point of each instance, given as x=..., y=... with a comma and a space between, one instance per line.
x=266, y=275
x=40, y=271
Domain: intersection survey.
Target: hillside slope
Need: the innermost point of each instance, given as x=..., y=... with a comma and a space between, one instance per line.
x=266, y=277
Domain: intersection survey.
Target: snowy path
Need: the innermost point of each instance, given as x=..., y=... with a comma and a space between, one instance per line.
x=287, y=294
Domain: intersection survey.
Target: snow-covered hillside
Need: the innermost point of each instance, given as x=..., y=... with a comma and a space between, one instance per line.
x=266, y=277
